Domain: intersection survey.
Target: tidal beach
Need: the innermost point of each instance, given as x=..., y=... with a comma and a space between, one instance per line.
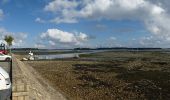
x=109, y=75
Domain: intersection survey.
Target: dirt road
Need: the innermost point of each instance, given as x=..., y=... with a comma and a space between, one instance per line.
x=5, y=65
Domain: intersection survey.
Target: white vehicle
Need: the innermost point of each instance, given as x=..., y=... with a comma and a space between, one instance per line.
x=5, y=85
x=4, y=57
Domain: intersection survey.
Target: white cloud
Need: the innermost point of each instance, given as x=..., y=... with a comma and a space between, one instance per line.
x=52, y=43
x=19, y=38
x=153, y=41
x=112, y=42
x=56, y=36
x=97, y=9
x=39, y=20
x=58, y=5
x=1, y=14
x=38, y=45
x=58, y=20
x=66, y=8
x=112, y=38
x=153, y=13
x=2, y=30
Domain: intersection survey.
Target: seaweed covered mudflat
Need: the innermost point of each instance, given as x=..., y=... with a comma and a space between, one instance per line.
x=110, y=76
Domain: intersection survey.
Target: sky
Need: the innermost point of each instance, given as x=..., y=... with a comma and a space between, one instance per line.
x=69, y=24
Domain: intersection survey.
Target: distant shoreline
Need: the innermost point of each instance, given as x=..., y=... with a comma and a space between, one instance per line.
x=113, y=48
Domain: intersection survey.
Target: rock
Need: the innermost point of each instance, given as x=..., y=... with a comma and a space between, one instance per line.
x=24, y=59
x=31, y=58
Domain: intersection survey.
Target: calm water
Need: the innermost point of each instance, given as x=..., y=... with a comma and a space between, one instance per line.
x=41, y=54
x=57, y=56
x=67, y=55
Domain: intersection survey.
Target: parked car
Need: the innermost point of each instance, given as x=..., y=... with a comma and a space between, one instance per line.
x=5, y=85
x=4, y=57
x=3, y=48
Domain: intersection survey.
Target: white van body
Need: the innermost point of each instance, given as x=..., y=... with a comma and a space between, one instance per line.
x=5, y=57
x=5, y=85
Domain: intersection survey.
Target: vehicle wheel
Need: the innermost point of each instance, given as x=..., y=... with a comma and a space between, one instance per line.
x=8, y=59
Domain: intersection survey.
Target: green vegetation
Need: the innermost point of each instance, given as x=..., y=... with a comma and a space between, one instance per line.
x=9, y=39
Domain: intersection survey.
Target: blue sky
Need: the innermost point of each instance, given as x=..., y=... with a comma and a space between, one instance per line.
x=85, y=23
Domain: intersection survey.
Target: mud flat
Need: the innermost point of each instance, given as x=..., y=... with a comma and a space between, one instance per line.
x=111, y=76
